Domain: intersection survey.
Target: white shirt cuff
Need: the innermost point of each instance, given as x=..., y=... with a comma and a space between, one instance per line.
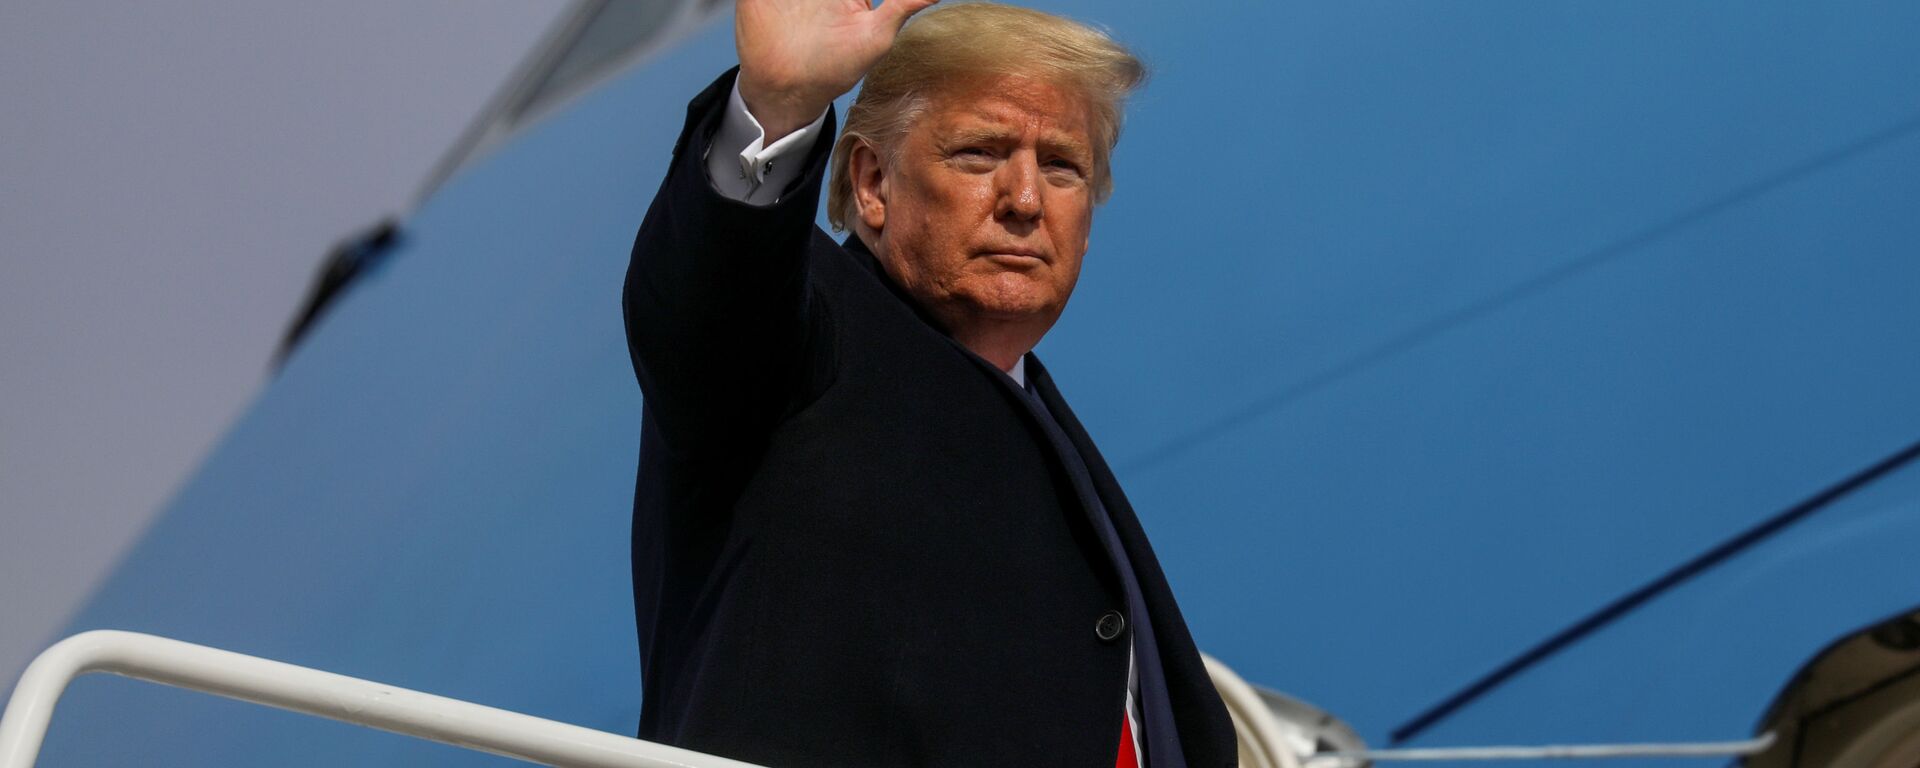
x=742, y=166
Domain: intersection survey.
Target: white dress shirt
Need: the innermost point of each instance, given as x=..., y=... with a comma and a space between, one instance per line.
x=746, y=168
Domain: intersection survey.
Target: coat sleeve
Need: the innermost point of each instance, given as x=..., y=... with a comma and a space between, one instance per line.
x=719, y=317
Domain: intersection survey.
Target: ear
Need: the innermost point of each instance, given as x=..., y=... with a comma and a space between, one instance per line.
x=869, y=185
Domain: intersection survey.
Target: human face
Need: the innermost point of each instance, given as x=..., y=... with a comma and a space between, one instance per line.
x=983, y=215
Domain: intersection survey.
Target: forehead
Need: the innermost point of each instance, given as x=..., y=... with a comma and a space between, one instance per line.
x=1011, y=105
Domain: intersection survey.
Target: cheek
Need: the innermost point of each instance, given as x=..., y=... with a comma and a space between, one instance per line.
x=928, y=249
x=1066, y=276
x=1074, y=226
x=948, y=222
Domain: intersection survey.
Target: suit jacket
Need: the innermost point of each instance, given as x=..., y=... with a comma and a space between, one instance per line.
x=854, y=541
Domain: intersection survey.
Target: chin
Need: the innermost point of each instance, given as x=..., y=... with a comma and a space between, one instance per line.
x=1015, y=307
x=1011, y=296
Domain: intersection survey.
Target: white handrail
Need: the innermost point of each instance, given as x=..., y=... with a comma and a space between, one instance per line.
x=322, y=694
x=1263, y=741
x=1744, y=748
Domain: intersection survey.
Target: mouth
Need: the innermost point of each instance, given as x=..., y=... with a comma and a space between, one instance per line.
x=1013, y=255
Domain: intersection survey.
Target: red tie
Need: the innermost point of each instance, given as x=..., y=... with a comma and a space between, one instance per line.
x=1127, y=759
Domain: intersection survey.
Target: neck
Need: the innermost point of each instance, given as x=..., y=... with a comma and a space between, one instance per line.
x=1001, y=346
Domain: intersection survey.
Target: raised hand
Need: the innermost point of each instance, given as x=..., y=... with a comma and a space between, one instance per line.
x=797, y=56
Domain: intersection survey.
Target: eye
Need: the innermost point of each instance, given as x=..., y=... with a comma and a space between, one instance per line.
x=974, y=158
x=1065, y=166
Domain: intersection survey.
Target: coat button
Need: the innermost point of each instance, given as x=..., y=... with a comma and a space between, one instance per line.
x=1110, y=626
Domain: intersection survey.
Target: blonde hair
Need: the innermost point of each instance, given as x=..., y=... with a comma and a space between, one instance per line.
x=954, y=43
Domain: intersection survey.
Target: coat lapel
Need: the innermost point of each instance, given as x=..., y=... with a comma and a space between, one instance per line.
x=1196, y=704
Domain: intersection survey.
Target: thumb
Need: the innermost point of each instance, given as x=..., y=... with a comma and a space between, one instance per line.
x=896, y=12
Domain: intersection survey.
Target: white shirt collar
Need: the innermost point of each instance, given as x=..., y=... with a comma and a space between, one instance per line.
x=1019, y=371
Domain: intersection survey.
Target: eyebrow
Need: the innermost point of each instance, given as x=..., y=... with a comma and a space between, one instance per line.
x=1056, y=141
x=983, y=134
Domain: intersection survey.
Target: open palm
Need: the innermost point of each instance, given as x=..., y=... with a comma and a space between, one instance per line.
x=797, y=56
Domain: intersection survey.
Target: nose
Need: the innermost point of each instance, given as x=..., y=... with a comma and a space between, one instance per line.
x=1018, y=188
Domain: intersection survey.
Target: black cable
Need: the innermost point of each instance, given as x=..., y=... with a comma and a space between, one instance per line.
x=1634, y=599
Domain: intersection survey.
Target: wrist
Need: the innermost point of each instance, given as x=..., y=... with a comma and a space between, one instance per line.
x=780, y=111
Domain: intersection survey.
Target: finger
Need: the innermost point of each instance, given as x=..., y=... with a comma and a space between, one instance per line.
x=898, y=11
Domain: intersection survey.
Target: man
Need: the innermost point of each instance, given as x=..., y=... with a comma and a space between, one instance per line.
x=867, y=528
